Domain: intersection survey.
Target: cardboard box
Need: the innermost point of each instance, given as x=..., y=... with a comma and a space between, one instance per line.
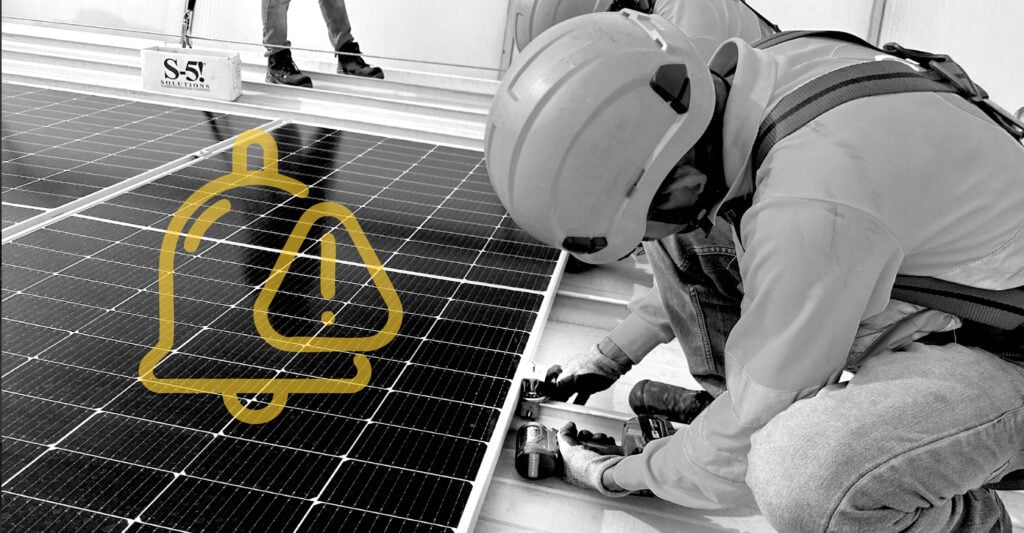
x=192, y=72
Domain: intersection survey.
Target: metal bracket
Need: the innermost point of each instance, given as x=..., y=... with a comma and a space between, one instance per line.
x=186, y=24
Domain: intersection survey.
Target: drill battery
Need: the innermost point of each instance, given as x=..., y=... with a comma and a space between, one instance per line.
x=640, y=430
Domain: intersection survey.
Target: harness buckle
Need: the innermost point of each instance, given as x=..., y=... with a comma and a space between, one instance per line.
x=944, y=67
x=951, y=73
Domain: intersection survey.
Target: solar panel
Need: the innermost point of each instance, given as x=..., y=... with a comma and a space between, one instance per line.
x=59, y=146
x=85, y=442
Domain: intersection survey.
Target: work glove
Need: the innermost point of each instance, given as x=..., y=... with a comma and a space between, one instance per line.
x=587, y=374
x=899, y=324
x=582, y=466
x=598, y=442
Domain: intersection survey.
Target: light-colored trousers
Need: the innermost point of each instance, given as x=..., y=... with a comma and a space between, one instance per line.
x=905, y=445
x=275, y=23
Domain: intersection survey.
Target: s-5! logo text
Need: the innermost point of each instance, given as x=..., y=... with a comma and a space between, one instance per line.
x=189, y=77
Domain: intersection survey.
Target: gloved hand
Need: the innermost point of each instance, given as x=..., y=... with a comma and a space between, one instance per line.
x=586, y=374
x=598, y=442
x=581, y=465
x=899, y=324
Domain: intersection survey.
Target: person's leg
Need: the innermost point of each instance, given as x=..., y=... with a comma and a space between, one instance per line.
x=275, y=25
x=699, y=280
x=905, y=445
x=339, y=29
x=280, y=67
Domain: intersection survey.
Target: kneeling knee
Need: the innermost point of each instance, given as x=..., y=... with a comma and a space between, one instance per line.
x=794, y=472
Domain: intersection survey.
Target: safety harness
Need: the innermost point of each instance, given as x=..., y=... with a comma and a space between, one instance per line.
x=993, y=319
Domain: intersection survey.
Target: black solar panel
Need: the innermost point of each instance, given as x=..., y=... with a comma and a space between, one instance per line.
x=85, y=442
x=59, y=146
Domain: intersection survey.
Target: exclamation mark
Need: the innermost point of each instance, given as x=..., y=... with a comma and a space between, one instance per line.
x=327, y=257
x=201, y=65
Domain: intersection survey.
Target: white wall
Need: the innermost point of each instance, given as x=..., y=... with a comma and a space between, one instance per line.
x=852, y=16
x=133, y=15
x=461, y=37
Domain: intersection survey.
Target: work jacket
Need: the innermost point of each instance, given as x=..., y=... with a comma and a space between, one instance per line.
x=922, y=184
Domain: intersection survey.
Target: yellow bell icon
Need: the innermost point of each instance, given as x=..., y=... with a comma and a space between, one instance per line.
x=279, y=389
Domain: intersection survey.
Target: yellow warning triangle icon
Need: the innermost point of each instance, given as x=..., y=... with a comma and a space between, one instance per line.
x=377, y=274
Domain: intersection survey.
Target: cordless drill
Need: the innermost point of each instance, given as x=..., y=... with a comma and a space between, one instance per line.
x=537, y=455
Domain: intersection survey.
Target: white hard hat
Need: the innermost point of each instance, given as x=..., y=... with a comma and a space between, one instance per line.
x=532, y=17
x=587, y=124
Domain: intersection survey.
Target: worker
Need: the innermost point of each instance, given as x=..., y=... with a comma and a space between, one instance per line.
x=611, y=128
x=708, y=23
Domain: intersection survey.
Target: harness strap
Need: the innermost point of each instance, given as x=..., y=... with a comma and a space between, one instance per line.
x=831, y=90
x=786, y=36
x=939, y=67
x=1001, y=309
x=821, y=94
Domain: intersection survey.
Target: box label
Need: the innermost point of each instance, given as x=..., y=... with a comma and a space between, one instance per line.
x=188, y=76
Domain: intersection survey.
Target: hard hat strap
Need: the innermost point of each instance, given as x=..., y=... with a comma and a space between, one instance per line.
x=707, y=159
x=643, y=6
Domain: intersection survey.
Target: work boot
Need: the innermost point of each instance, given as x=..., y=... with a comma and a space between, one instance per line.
x=679, y=404
x=281, y=69
x=350, y=61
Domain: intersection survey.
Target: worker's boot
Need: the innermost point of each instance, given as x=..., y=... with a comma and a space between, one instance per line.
x=281, y=69
x=679, y=404
x=350, y=61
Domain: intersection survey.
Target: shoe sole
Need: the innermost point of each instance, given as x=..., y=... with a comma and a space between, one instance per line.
x=377, y=75
x=275, y=81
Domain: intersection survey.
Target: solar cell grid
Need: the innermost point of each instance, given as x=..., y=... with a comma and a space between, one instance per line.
x=29, y=514
x=59, y=146
x=82, y=306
